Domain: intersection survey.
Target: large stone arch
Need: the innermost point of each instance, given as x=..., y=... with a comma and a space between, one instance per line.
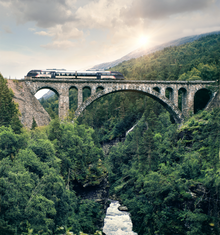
x=168, y=104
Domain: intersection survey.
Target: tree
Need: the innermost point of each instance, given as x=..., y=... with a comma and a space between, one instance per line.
x=9, y=114
x=34, y=124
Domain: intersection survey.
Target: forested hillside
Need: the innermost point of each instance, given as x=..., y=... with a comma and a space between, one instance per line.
x=39, y=170
x=198, y=60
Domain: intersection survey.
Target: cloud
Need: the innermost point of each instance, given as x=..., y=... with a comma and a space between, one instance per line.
x=66, y=31
x=32, y=29
x=159, y=9
x=62, y=33
x=7, y=30
x=45, y=13
x=100, y=14
x=43, y=33
x=59, y=45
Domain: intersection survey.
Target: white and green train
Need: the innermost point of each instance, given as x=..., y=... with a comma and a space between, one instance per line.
x=68, y=74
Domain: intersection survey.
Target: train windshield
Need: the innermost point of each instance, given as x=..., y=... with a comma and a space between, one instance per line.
x=33, y=73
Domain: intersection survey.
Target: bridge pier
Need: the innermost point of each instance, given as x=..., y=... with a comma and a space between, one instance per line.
x=175, y=97
x=163, y=91
x=93, y=90
x=80, y=96
x=63, y=103
x=189, y=106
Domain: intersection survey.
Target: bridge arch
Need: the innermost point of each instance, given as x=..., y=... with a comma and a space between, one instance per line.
x=169, y=93
x=157, y=89
x=168, y=104
x=48, y=87
x=182, y=98
x=87, y=91
x=99, y=88
x=73, y=97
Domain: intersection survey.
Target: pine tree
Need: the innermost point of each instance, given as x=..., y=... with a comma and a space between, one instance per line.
x=34, y=124
x=9, y=114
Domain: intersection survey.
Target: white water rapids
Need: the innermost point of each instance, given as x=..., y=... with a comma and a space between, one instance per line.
x=117, y=222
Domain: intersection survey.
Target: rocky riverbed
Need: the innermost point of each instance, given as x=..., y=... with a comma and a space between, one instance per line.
x=117, y=222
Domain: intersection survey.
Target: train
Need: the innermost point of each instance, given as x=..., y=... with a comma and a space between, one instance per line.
x=63, y=73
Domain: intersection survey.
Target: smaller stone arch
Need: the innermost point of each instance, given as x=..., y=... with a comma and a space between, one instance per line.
x=201, y=99
x=156, y=89
x=169, y=93
x=87, y=91
x=182, y=99
x=53, y=111
x=49, y=88
x=73, y=98
x=99, y=88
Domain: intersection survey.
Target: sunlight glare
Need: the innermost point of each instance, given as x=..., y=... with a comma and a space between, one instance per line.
x=143, y=40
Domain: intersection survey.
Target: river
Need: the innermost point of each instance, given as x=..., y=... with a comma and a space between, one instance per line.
x=117, y=222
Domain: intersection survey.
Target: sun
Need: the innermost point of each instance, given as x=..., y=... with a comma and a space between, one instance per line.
x=142, y=41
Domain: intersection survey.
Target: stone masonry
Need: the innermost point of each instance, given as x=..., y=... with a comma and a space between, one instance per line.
x=29, y=106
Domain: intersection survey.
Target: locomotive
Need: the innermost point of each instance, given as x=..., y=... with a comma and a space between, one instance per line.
x=63, y=73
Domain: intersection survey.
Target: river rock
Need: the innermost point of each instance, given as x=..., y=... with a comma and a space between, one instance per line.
x=123, y=208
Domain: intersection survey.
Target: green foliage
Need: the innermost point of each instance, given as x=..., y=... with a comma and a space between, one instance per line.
x=10, y=143
x=34, y=124
x=81, y=158
x=9, y=115
x=51, y=105
x=36, y=197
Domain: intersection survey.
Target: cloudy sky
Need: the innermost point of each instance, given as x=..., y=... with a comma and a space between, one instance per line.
x=77, y=34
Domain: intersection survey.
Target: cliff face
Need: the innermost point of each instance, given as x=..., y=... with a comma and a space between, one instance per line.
x=29, y=106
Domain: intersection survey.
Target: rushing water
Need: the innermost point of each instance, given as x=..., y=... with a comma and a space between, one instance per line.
x=117, y=222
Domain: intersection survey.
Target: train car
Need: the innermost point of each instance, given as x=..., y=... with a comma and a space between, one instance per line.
x=67, y=74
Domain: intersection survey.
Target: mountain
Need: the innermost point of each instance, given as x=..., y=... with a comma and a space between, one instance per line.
x=47, y=95
x=143, y=51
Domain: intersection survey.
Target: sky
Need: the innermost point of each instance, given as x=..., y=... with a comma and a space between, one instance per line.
x=78, y=34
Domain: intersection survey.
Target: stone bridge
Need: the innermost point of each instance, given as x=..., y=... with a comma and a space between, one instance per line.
x=157, y=90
